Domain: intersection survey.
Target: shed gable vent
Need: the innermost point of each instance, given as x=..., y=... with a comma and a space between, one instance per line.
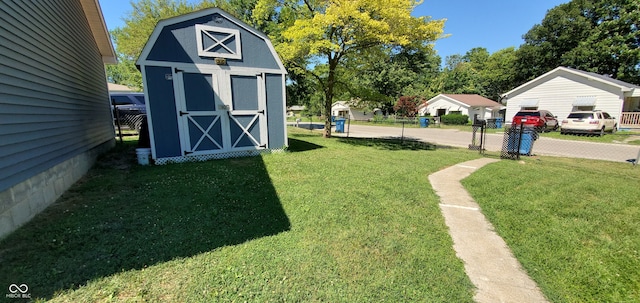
x=218, y=42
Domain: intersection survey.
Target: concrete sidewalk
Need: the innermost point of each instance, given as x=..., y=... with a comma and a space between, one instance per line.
x=488, y=261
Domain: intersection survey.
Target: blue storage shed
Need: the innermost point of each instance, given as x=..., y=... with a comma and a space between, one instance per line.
x=215, y=88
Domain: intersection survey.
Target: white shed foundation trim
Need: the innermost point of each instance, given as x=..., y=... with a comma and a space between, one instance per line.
x=199, y=158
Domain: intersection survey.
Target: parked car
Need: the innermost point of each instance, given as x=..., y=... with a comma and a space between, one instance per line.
x=541, y=120
x=129, y=109
x=588, y=122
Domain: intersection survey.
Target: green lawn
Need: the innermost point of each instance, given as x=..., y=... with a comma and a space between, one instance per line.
x=337, y=220
x=333, y=220
x=628, y=137
x=573, y=224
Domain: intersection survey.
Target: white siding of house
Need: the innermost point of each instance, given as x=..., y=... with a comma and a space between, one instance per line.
x=557, y=94
x=442, y=103
x=482, y=114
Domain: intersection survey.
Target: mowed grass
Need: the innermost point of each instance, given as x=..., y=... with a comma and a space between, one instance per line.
x=332, y=220
x=627, y=137
x=573, y=224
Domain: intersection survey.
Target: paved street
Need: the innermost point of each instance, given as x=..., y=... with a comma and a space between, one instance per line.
x=494, y=139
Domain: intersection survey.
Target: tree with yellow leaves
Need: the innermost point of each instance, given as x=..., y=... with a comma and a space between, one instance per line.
x=327, y=32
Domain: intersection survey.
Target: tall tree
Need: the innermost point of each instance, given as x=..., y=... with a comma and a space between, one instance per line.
x=601, y=36
x=499, y=73
x=385, y=74
x=461, y=75
x=330, y=31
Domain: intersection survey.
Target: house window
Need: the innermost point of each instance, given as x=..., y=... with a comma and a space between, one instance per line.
x=586, y=103
x=217, y=42
x=529, y=104
x=455, y=112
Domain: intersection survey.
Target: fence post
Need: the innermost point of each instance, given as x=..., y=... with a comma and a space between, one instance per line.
x=521, y=132
x=117, y=112
x=483, y=133
x=348, y=125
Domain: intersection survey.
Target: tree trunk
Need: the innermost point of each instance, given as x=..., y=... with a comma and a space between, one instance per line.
x=326, y=111
x=328, y=97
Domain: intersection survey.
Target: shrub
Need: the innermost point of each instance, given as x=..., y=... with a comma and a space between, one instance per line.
x=455, y=119
x=406, y=106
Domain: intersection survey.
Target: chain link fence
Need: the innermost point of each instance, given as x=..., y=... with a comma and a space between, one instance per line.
x=507, y=141
x=518, y=141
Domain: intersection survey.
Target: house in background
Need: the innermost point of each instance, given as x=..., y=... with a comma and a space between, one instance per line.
x=563, y=90
x=474, y=106
x=351, y=110
x=295, y=110
x=118, y=88
x=215, y=88
x=55, y=117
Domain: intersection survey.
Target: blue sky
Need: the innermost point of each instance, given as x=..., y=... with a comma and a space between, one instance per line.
x=492, y=24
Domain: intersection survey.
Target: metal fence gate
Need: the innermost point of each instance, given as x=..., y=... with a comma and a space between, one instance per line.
x=479, y=136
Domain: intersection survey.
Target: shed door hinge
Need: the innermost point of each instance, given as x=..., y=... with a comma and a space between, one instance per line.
x=261, y=111
x=263, y=146
x=187, y=153
x=183, y=113
x=176, y=70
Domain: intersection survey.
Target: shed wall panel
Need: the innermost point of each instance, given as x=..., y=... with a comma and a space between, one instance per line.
x=54, y=102
x=162, y=106
x=275, y=111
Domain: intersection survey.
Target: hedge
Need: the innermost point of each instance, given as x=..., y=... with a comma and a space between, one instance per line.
x=454, y=119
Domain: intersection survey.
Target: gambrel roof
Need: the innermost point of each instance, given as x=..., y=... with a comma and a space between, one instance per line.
x=209, y=15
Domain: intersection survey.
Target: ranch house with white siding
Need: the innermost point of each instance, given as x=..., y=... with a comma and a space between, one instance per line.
x=563, y=90
x=472, y=105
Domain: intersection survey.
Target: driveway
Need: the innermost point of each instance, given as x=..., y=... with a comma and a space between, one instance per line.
x=543, y=146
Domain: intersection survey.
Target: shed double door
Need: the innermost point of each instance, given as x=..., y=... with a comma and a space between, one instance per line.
x=220, y=111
